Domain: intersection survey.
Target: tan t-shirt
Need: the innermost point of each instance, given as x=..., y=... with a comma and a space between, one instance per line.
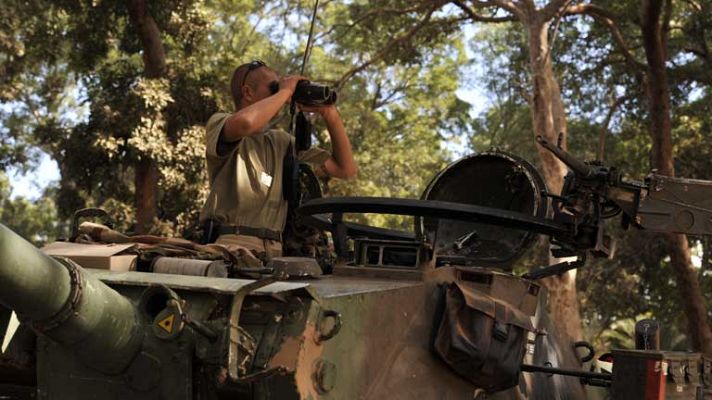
x=246, y=176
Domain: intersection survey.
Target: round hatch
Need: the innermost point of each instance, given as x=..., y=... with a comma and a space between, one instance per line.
x=492, y=179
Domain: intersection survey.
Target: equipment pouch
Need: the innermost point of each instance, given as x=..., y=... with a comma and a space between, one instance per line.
x=481, y=338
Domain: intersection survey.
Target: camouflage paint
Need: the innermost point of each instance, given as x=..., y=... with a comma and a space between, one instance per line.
x=382, y=348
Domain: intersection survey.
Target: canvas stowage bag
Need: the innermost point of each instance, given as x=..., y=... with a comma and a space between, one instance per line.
x=483, y=339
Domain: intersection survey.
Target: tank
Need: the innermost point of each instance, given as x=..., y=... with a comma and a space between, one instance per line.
x=435, y=314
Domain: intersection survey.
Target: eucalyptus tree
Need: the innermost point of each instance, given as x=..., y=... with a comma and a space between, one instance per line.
x=670, y=61
x=145, y=76
x=629, y=68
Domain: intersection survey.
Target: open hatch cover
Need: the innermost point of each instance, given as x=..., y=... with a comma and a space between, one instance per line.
x=492, y=179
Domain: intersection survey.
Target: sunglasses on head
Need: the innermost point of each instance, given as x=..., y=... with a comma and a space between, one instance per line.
x=251, y=66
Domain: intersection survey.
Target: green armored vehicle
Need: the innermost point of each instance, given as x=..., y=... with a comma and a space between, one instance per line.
x=431, y=315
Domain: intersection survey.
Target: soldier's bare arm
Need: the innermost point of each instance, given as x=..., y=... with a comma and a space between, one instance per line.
x=251, y=119
x=341, y=164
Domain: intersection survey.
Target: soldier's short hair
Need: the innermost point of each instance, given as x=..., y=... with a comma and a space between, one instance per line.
x=239, y=78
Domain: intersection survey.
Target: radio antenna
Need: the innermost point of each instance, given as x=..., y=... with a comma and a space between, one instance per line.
x=301, y=128
x=307, y=50
x=307, y=53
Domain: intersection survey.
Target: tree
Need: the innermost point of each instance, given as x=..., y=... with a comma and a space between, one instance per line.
x=129, y=115
x=143, y=116
x=154, y=62
x=655, y=26
x=618, y=73
x=548, y=115
x=35, y=85
x=667, y=74
x=36, y=221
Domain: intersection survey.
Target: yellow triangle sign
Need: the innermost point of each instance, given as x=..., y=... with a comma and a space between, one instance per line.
x=167, y=323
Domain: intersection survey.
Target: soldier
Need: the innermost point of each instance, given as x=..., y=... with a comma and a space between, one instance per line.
x=246, y=206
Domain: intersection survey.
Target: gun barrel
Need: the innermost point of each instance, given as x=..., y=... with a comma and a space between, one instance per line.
x=580, y=168
x=63, y=302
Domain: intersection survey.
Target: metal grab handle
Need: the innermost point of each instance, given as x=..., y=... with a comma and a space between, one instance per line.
x=233, y=338
x=324, y=336
x=89, y=213
x=591, y=352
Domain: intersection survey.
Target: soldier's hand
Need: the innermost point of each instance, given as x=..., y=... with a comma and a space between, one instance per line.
x=322, y=110
x=289, y=82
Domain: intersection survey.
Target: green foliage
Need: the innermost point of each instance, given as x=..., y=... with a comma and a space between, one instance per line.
x=501, y=55
x=130, y=117
x=73, y=83
x=105, y=115
x=399, y=145
x=594, y=75
x=35, y=220
x=397, y=110
x=641, y=271
x=35, y=84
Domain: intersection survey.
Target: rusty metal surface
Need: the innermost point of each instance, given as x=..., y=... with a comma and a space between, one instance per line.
x=655, y=374
x=380, y=352
x=383, y=348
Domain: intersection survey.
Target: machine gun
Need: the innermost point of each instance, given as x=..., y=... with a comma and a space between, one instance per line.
x=593, y=193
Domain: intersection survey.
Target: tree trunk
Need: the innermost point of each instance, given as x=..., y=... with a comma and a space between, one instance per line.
x=655, y=16
x=154, y=60
x=689, y=286
x=146, y=187
x=549, y=120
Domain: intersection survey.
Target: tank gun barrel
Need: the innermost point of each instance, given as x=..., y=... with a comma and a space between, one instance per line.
x=59, y=300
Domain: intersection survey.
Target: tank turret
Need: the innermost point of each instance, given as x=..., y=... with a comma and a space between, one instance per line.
x=394, y=318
